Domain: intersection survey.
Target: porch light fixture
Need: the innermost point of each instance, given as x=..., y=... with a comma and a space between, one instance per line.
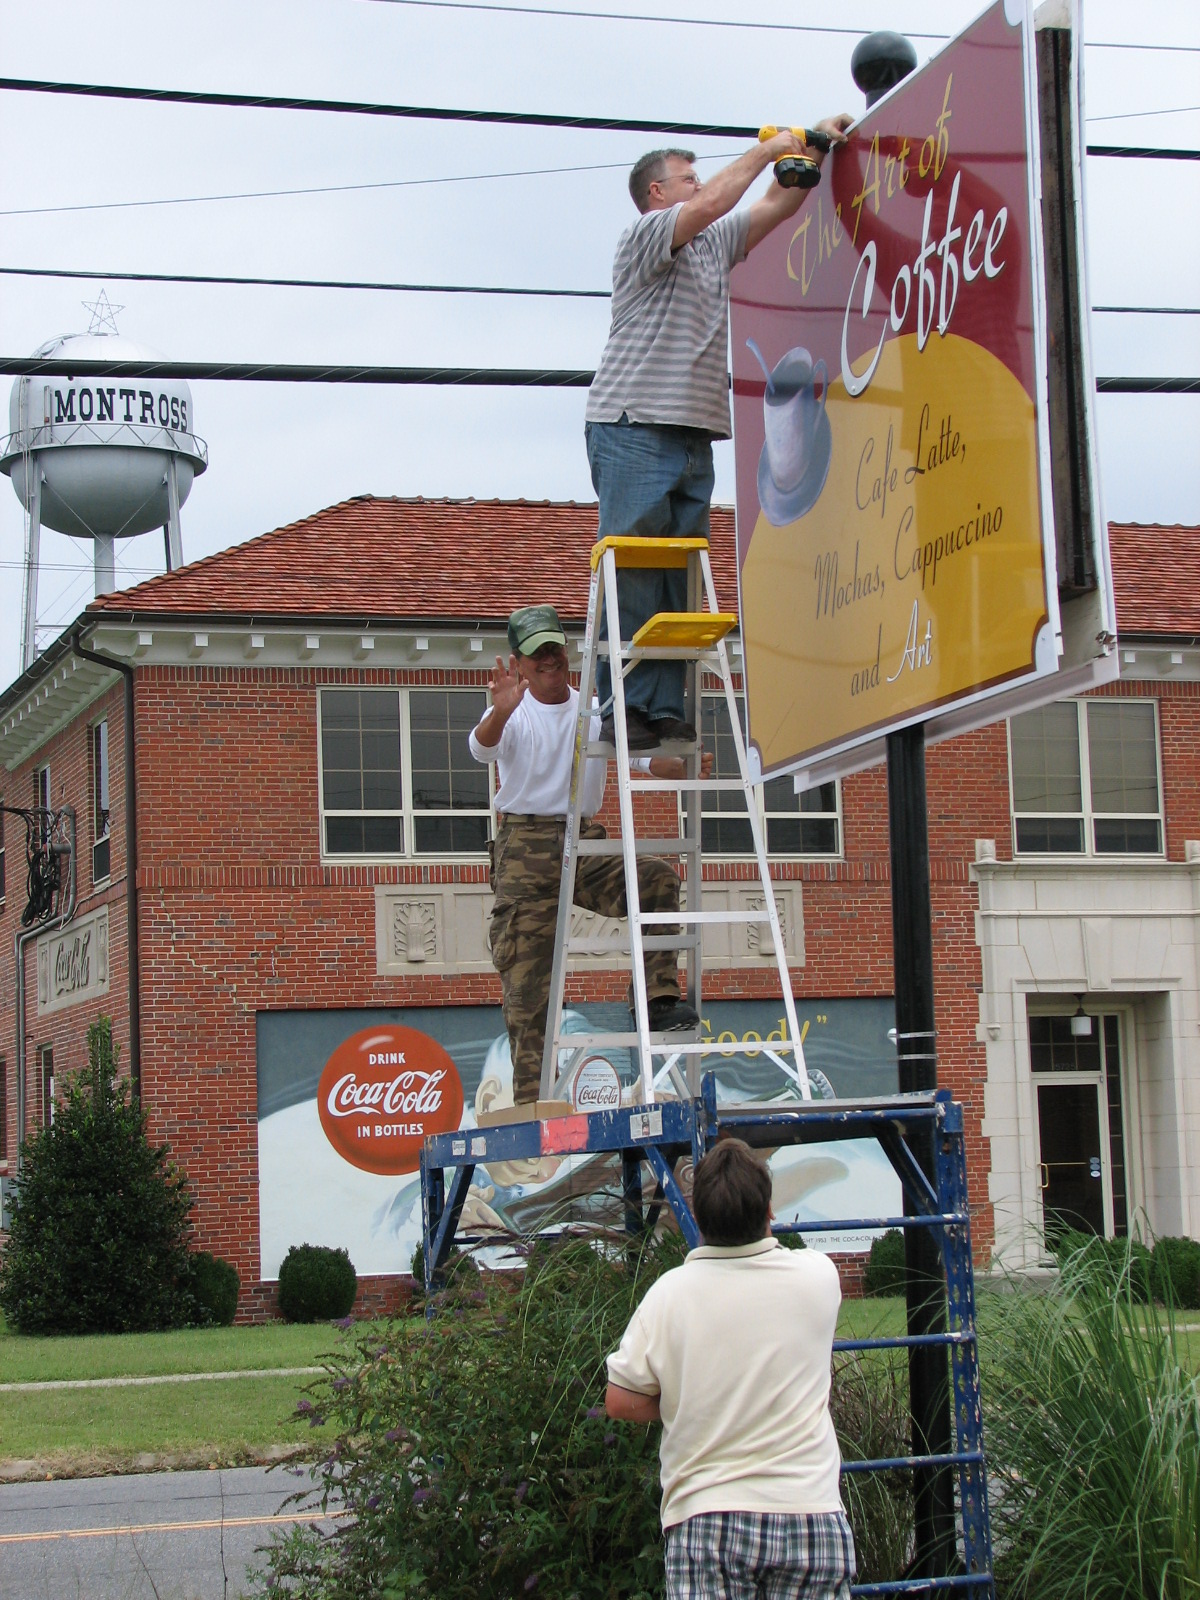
x=1081, y=1023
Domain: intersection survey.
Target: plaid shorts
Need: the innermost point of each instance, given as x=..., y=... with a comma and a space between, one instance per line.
x=752, y=1555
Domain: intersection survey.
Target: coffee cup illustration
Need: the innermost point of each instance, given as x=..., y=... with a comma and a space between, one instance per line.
x=798, y=441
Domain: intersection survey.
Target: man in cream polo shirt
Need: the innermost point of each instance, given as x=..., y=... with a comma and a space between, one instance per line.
x=731, y=1352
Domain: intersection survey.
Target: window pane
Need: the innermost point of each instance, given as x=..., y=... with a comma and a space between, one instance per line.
x=457, y=835
x=360, y=759
x=445, y=775
x=725, y=827
x=1131, y=836
x=357, y=836
x=1050, y=836
x=100, y=781
x=343, y=791
x=381, y=791
x=101, y=859
x=1124, y=762
x=1045, y=759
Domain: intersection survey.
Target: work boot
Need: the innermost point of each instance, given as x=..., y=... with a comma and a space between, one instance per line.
x=641, y=735
x=673, y=730
x=669, y=1014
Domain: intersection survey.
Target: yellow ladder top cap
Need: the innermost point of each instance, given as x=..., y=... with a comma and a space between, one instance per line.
x=683, y=630
x=661, y=553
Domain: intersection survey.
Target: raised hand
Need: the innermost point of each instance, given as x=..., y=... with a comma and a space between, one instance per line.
x=507, y=686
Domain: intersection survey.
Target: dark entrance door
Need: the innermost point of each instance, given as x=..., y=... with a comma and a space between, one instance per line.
x=1071, y=1168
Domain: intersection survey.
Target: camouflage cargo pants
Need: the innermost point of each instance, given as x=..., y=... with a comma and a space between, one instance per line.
x=526, y=874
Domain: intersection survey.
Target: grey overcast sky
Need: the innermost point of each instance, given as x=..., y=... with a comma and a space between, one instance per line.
x=447, y=203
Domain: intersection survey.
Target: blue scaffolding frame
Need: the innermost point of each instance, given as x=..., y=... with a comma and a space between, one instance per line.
x=659, y=1135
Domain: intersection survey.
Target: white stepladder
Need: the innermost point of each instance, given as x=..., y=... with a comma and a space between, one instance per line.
x=696, y=636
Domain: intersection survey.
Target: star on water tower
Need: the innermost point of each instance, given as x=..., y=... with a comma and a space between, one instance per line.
x=99, y=458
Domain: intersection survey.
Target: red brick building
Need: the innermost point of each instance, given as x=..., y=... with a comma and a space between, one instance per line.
x=281, y=842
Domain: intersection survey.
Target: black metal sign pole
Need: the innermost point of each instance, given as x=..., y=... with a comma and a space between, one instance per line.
x=912, y=945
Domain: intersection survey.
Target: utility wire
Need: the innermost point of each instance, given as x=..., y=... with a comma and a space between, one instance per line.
x=416, y=288
x=472, y=377
x=715, y=22
x=372, y=108
x=328, y=188
x=303, y=283
x=525, y=119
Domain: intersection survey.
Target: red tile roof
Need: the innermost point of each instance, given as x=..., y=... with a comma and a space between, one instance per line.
x=425, y=560
x=406, y=559
x=1156, y=577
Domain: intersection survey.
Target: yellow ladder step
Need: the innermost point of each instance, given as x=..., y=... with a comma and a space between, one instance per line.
x=681, y=630
x=659, y=553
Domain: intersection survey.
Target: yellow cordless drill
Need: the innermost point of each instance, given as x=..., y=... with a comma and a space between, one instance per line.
x=797, y=172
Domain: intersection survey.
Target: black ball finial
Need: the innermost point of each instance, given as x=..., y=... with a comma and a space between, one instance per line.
x=879, y=62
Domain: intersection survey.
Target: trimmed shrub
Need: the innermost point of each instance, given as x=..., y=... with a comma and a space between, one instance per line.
x=1107, y=1262
x=1175, y=1272
x=884, y=1273
x=214, y=1284
x=316, y=1284
x=100, y=1220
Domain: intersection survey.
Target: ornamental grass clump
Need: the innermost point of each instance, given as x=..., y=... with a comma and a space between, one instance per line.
x=473, y=1451
x=1092, y=1429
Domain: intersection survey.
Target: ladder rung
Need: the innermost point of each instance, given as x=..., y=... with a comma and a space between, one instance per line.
x=684, y=630
x=696, y=785
x=670, y=1044
x=620, y=945
x=655, y=553
x=643, y=847
x=659, y=917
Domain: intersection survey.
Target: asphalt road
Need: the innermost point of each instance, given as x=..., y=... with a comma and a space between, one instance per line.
x=149, y=1536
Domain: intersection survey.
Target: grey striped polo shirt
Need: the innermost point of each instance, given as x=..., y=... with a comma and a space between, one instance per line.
x=667, y=356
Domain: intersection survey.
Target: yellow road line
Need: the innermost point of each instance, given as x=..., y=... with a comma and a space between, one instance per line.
x=166, y=1527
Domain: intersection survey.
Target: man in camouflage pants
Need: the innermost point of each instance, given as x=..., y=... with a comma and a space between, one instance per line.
x=530, y=731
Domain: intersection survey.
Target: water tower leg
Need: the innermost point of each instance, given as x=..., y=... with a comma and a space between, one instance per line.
x=173, y=532
x=105, y=562
x=32, y=557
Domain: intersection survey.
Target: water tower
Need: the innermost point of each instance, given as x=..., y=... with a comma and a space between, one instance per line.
x=99, y=458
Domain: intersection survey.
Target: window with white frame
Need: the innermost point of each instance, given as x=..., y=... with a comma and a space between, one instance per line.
x=1085, y=779
x=807, y=824
x=101, y=843
x=41, y=797
x=397, y=778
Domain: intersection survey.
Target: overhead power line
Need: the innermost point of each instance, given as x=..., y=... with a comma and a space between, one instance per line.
x=415, y=288
x=471, y=377
x=329, y=188
x=720, y=22
x=525, y=119
x=302, y=283
x=372, y=108
x=287, y=372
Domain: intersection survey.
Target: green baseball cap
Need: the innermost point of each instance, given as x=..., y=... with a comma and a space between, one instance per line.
x=533, y=626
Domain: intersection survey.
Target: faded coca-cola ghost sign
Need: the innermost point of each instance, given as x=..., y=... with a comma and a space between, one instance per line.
x=382, y=1092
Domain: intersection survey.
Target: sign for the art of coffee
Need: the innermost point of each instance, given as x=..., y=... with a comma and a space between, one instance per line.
x=894, y=539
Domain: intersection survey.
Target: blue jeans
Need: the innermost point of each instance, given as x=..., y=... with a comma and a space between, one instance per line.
x=653, y=483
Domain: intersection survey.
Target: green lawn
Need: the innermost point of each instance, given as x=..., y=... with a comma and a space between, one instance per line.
x=39, y=1359
x=222, y=1422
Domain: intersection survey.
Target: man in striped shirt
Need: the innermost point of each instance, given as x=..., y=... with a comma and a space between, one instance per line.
x=661, y=393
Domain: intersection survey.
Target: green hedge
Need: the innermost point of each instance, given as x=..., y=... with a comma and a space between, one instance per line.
x=316, y=1284
x=1175, y=1272
x=214, y=1284
x=884, y=1274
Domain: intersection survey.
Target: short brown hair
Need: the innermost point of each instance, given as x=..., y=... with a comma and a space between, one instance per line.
x=731, y=1194
x=652, y=168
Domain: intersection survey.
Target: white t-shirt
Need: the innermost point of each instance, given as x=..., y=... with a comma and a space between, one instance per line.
x=737, y=1343
x=535, y=754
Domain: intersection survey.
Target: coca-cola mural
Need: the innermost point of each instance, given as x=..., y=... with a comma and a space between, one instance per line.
x=346, y=1097
x=382, y=1092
